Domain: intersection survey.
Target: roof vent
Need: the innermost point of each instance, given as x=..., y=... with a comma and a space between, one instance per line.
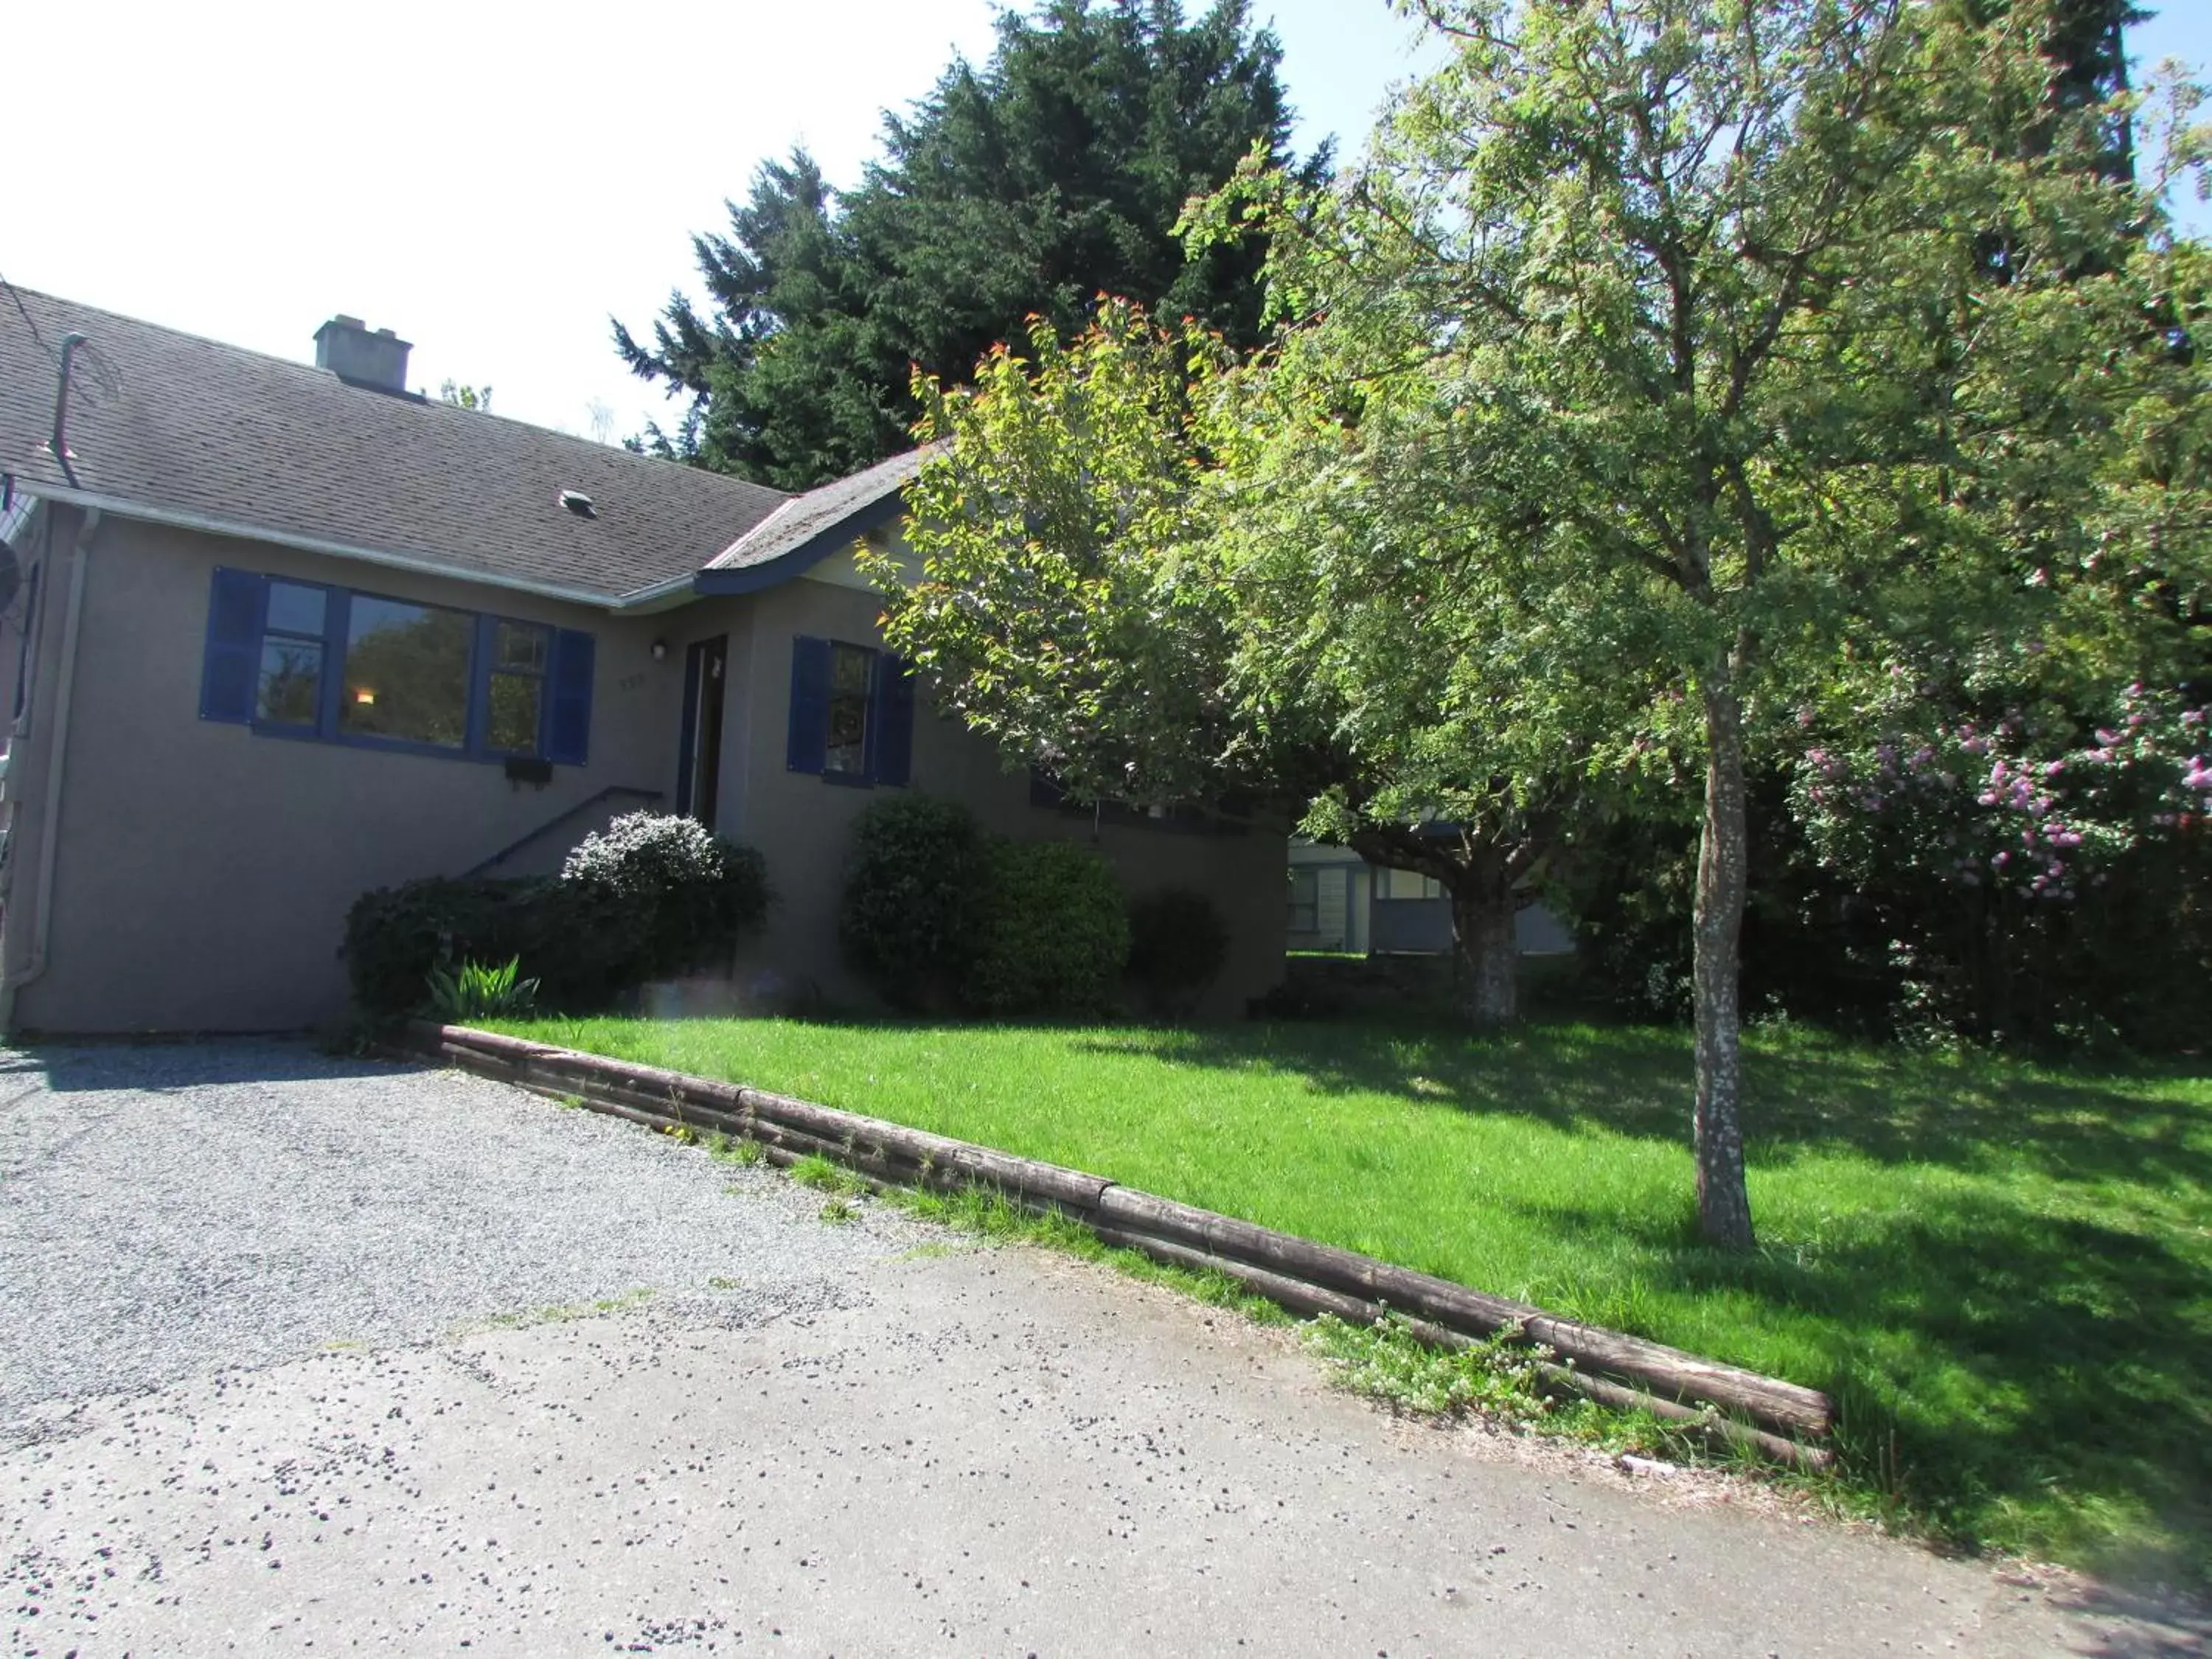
x=376, y=359
x=577, y=503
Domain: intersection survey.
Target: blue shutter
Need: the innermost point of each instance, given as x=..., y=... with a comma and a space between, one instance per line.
x=890, y=720
x=569, y=727
x=808, y=739
x=232, y=673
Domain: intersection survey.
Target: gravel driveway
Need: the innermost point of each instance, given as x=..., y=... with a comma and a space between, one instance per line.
x=300, y=1354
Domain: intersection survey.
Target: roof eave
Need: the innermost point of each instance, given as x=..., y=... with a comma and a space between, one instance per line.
x=833, y=538
x=206, y=525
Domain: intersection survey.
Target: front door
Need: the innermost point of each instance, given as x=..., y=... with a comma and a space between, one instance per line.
x=699, y=766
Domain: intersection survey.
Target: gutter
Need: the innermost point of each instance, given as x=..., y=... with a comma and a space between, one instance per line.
x=206, y=525
x=58, y=740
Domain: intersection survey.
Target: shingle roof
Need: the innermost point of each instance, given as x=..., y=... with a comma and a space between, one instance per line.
x=795, y=528
x=281, y=449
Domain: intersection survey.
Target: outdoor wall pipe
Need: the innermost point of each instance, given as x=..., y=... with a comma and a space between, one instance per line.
x=69, y=343
x=57, y=743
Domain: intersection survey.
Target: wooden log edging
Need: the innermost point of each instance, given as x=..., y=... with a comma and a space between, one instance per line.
x=1764, y=1414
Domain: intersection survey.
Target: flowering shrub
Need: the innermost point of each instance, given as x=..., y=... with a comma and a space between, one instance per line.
x=695, y=891
x=2030, y=880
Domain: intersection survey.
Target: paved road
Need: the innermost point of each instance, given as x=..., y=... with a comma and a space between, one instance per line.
x=301, y=1356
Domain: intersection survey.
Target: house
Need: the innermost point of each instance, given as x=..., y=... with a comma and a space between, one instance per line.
x=1340, y=902
x=285, y=633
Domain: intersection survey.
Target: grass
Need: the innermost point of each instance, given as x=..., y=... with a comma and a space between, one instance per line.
x=2003, y=1271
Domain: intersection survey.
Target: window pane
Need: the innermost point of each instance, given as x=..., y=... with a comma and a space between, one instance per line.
x=849, y=669
x=296, y=610
x=406, y=673
x=521, y=648
x=514, y=712
x=847, y=748
x=291, y=682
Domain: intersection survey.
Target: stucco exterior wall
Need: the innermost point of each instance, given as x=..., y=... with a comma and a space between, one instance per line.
x=204, y=870
x=804, y=824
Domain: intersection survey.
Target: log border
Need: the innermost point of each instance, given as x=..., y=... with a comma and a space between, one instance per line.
x=1736, y=1408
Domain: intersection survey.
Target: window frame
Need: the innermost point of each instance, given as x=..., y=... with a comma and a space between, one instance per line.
x=887, y=721
x=1380, y=878
x=330, y=692
x=1310, y=875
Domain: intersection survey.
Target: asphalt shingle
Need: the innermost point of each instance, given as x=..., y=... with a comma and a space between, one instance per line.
x=289, y=451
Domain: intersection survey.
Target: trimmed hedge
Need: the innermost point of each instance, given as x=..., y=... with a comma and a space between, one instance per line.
x=1052, y=931
x=1178, y=944
x=912, y=881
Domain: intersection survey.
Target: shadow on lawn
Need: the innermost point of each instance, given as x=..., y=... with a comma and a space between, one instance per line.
x=1989, y=1356
x=1803, y=1092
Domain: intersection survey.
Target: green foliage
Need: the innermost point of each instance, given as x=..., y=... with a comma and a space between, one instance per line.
x=695, y=892
x=644, y=900
x=1178, y=942
x=912, y=878
x=1497, y=1378
x=466, y=397
x=1052, y=174
x=1052, y=932
x=481, y=990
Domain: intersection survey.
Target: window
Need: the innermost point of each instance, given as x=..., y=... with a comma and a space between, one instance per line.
x=852, y=714
x=1305, y=901
x=521, y=652
x=406, y=673
x=300, y=659
x=852, y=671
x=1405, y=884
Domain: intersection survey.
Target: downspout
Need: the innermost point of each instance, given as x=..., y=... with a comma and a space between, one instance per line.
x=50, y=827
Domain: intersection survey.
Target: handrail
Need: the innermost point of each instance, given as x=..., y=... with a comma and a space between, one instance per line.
x=562, y=816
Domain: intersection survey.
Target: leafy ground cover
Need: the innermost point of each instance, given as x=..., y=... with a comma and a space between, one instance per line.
x=2003, y=1271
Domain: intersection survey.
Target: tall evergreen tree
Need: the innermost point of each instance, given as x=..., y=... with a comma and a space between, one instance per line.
x=1053, y=173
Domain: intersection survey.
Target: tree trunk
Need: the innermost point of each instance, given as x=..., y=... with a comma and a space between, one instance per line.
x=1723, y=852
x=1483, y=907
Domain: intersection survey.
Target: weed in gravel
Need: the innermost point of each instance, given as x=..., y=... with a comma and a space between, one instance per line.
x=560, y=1314
x=723, y=1282
x=731, y=1149
x=818, y=1172
x=839, y=1211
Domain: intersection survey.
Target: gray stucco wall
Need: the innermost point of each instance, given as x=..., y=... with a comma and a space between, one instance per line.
x=804, y=825
x=204, y=870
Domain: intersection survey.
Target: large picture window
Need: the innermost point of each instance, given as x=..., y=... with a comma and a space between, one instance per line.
x=406, y=672
x=296, y=658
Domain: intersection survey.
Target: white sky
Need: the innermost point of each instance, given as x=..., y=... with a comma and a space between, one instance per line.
x=493, y=179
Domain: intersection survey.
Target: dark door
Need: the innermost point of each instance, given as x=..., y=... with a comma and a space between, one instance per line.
x=698, y=767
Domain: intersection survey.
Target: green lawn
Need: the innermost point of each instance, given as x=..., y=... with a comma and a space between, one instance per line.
x=2001, y=1271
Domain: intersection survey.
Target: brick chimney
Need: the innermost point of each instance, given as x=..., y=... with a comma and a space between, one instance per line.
x=378, y=360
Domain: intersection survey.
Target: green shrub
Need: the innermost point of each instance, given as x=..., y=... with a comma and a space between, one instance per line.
x=697, y=892
x=580, y=944
x=481, y=991
x=644, y=901
x=912, y=881
x=1052, y=931
x=1178, y=941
